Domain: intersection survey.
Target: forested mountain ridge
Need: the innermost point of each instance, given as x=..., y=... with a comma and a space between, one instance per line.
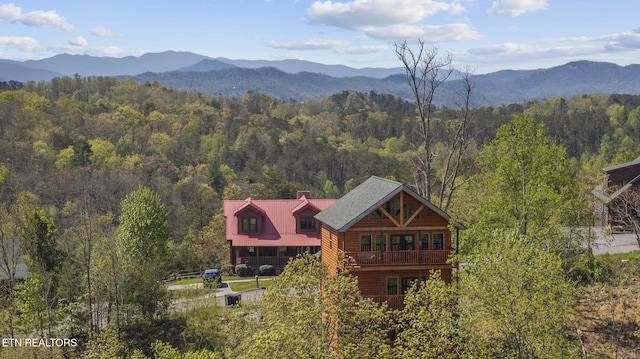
x=499, y=88
x=187, y=144
x=300, y=80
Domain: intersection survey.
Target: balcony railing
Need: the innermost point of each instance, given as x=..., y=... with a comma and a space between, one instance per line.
x=380, y=258
x=394, y=301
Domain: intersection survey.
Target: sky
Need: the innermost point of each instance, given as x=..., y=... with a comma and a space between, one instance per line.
x=482, y=36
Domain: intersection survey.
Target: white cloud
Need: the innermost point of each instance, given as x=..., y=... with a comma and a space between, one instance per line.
x=533, y=54
x=42, y=19
x=101, y=31
x=516, y=7
x=312, y=44
x=114, y=51
x=75, y=47
x=617, y=48
x=359, y=50
x=28, y=44
x=359, y=14
x=79, y=41
x=504, y=49
x=428, y=33
x=628, y=40
x=336, y=46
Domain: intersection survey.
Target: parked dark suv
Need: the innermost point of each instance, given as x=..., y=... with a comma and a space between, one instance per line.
x=210, y=276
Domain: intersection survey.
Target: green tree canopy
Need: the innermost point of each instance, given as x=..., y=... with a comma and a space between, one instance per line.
x=524, y=182
x=307, y=315
x=143, y=232
x=516, y=302
x=429, y=326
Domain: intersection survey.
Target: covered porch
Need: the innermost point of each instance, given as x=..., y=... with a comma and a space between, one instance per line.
x=254, y=257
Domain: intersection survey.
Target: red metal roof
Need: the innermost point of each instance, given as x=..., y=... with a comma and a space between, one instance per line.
x=279, y=222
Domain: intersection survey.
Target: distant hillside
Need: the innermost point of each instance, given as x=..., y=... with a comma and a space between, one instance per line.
x=299, y=80
x=113, y=66
x=502, y=87
x=296, y=66
x=574, y=78
x=14, y=70
x=207, y=65
x=85, y=66
x=237, y=81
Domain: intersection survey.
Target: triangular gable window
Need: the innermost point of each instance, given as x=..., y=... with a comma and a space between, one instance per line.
x=249, y=217
x=392, y=209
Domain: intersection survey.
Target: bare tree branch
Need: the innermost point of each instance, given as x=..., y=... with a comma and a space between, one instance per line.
x=425, y=72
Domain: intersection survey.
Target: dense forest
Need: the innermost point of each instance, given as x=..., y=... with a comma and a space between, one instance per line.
x=84, y=160
x=112, y=136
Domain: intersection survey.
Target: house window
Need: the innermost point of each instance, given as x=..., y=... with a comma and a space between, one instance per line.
x=381, y=242
x=424, y=241
x=365, y=243
x=392, y=285
x=249, y=224
x=307, y=224
x=407, y=282
x=438, y=241
x=402, y=242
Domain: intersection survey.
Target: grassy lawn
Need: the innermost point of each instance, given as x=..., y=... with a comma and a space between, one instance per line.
x=263, y=282
x=190, y=293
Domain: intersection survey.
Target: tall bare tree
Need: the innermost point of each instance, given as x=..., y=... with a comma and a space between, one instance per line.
x=426, y=70
x=458, y=142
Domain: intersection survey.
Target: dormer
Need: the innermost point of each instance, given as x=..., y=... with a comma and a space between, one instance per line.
x=250, y=218
x=304, y=214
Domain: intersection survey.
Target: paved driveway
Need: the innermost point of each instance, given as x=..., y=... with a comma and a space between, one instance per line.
x=220, y=295
x=613, y=243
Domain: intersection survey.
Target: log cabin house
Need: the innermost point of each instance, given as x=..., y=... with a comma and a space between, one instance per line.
x=387, y=236
x=272, y=231
x=618, y=179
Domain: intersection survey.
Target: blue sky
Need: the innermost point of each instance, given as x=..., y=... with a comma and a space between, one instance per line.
x=487, y=36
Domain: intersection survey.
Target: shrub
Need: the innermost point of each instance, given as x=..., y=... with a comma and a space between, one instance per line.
x=227, y=269
x=267, y=269
x=242, y=270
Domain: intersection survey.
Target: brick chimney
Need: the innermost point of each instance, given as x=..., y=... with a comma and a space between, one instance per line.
x=306, y=194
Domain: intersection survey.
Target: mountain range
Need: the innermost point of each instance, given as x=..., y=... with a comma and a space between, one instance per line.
x=299, y=80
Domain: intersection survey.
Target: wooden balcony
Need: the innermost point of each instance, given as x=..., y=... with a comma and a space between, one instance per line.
x=393, y=258
x=393, y=301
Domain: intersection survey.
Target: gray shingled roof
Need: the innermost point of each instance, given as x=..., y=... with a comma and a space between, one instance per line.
x=622, y=165
x=363, y=200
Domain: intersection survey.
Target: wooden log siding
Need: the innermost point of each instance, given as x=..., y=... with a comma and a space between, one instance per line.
x=330, y=242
